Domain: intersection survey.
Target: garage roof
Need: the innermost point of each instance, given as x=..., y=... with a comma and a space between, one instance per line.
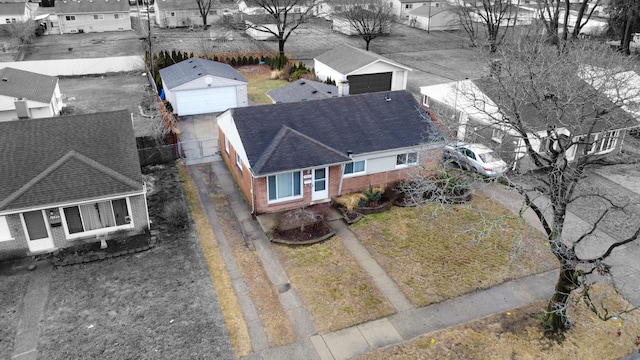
x=346, y=59
x=28, y=85
x=285, y=137
x=195, y=68
x=302, y=90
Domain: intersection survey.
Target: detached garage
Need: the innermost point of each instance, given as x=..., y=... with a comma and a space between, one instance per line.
x=365, y=71
x=199, y=86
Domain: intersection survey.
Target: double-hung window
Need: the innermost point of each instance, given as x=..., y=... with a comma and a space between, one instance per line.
x=226, y=144
x=497, y=135
x=284, y=186
x=98, y=17
x=354, y=167
x=410, y=158
x=239, y=162
x=70, y=17
x=88, y=219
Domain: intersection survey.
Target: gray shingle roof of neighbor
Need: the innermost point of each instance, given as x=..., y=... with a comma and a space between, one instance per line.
x=28, y=85
x=301, y=90
x=290, y=136
x=91, y=6
x=12, y=8
x=63, y=159
x=346, y=59
x=613, y=117
x=195, y=68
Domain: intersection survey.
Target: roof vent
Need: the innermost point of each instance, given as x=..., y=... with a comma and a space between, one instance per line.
x=199, y=74
x=302, y=83
x=5, y=79
x=195, y=66
x=314, y=91
x=387, y=98
x=190, y=61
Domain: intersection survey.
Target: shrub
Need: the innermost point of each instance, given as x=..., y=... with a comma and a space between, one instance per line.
x=373, y=195
x=176, y=213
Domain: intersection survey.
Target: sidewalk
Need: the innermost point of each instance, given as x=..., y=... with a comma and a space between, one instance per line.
x=406, y=324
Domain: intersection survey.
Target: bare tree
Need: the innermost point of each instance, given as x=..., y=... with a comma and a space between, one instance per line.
x=285, y=16
x=496, y=16
x=204, y=6
x=624, y=20
x=554, y=13
x=369, y=18
x=580, y=106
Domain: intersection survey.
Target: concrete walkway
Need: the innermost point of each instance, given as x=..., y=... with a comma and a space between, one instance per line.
x=406, y=324
x=28, y=334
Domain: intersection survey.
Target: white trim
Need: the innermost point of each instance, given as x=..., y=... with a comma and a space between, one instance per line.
x=4, y=229
x=46, y=225
x=355, y=173
x=49, y=206
x=408, y=164
x=288, y=198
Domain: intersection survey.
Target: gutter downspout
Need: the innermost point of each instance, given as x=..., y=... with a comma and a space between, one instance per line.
x=253, y=196
x=146, y=206
x=341, y=177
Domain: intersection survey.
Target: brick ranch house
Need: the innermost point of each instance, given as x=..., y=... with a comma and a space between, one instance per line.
x=291, y=155
x=69, y=180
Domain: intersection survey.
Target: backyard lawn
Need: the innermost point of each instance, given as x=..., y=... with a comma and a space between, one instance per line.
x=443, y=251
x=260, y=83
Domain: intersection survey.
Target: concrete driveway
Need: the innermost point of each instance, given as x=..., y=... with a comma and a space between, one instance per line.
x=198, y=137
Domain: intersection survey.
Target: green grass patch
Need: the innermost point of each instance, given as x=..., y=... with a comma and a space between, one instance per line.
x=440, y=251
x=260, y=83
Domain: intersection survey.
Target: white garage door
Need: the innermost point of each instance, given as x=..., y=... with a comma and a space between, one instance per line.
x=204, y=101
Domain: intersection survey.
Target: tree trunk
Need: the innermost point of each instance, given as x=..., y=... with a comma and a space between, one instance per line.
x=367, y=41
x=555, y=318
x=625, y=42
x=281, y=42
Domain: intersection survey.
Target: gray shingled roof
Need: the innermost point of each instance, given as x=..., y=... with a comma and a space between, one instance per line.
x=65, y=159
x=542, y=117
x=346, y=59
x=301, y=90
x=284, y=137
x=91, y=6
x=28, y=85
x=195, y=68
x=12, y=8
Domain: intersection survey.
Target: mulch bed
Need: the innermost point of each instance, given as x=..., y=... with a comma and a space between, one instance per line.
x=312, y=233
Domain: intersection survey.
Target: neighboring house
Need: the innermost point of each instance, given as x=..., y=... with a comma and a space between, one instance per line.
x=181, y=13
x=49, y=23
x=251, y=7
x=24, y=94
x=254, y=22
x=303, y=90
x=365, y=71
x=476, y=118
x=69, y=180
x=287, y=156
x=402, y=8
x=200, y=86
x=433, y=17
x=513, y=16
x=17, y=12
x=80, y=16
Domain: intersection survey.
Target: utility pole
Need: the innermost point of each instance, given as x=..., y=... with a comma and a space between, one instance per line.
x=153, y=74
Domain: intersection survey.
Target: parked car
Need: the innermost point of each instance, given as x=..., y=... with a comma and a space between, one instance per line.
x=475, y=157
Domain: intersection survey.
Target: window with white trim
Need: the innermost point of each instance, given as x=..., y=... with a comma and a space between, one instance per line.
x=70, y=17
x=91, y=218
x=226, y=144
x=405, y=159
x=284, y=186
x=408, y=6
x=98, y=17
x=605, y=141
x=118, y=16
x=354, y=167
x=5, y=233
x=497, y=135
x=239, y=162
x=171, y=13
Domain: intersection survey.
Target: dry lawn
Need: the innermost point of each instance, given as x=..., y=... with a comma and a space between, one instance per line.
x=517, y=335
x=236, y=324
x=14, y=286
x=263, y=294
x=334, y=288
x=260, y=83
x=443, y=251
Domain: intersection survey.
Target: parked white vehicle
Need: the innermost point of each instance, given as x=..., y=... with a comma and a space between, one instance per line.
x=475, y=157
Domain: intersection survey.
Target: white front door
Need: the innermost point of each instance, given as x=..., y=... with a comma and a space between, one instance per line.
x=37, y=230
x=320, y=184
